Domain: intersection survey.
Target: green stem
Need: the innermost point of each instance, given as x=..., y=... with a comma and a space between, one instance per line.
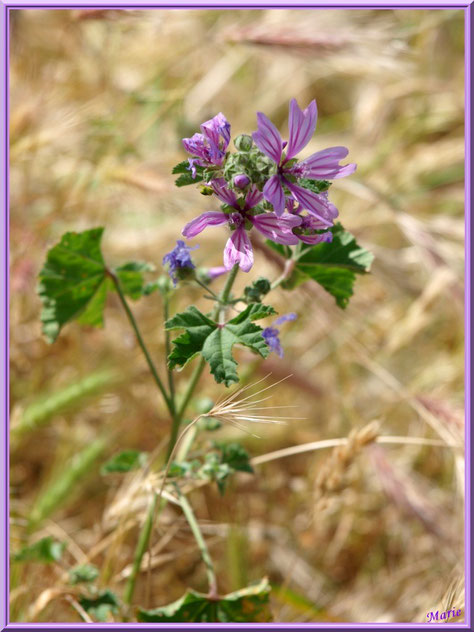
x=142, y=546
x=223, y=299
x=208, y=289
x=193, y=523
x=141, y=342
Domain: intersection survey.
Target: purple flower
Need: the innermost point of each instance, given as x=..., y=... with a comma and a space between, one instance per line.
x=309, y=231
x=238, y=248
x=179, y=261
x=209, y=147
x=321, y=165
x=271, y=335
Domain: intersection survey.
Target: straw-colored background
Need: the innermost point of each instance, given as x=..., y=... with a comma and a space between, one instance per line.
x=99, y=103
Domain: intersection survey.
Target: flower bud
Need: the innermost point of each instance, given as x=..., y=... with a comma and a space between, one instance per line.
x=241, y=181
x=243, y=142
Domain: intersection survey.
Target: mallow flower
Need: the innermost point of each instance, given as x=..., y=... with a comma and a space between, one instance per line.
x=238, y=248
x=323, y=165
x=310, y=229
x=178, y=261
x=209, y=148
x=271, y=335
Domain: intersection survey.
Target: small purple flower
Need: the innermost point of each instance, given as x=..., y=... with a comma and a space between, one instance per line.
x=322, y=165
x=309, y=231
x=271, y=335
x=209, y=147
x=179, y=261
x=238, y=248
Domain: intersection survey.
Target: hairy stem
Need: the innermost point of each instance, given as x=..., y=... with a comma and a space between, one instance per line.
x=141, y=342
x=193, y=523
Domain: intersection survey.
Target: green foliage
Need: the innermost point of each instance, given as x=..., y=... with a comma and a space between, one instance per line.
x=333, y=265
x=74, y=282
x=100, y=606
x=255, y=292
x=131, y=278
x=316, y=186
x=215, y=342
x=84, y=573
x=236, y=456
x=46, y=550
x=249, y=604
x=186, y=176
x=125, y=462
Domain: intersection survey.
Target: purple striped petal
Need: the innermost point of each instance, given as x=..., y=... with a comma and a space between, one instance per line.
x=277, y=228
x=196, y=146
x=325, y=164
x=224, y=194
x=267, y=138
x=316, y=204
x=238, y=249
x=254, y=197
x=198, y=224
x=316, y=239
x=273, y=192
x=217, y=127
x=301, y=127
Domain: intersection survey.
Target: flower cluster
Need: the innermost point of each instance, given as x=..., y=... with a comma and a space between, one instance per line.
x=262, y=185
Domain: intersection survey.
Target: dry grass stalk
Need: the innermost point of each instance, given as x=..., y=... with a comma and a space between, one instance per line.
x=331, y=477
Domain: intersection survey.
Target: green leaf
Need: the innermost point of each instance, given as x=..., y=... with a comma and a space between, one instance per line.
x=186, y=176
x=72, y=281
x=101, y=606
x=215, y=342
x=131, y=278
x=46, y=550
x=125, y=462
x=236, y=456
x=250, y=604
x=84, y=573
x=333, y=265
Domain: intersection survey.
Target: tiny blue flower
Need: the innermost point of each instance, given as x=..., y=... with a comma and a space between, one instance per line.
x=179, y=261
x=271, y=334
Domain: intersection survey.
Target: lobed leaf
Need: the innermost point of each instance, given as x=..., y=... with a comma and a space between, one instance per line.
x=101, y=606
x=250, y=604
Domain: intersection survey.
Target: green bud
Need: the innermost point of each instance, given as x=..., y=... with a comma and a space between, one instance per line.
x=164, y=284
x=243, y=142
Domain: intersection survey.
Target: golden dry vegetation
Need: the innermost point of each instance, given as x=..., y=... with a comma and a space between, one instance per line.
x=364, y=530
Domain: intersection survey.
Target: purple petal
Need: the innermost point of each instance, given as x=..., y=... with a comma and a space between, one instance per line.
x=238, y=249
x=277, y=228
x=254, y=197
x=286, y=318
x=316, y=239
x=316, y=204
x=217, y=127
x=196, y=146
x=301, y=127
x=325, y=164
x=273, y=192
x=223, y=193
x=267, y=138
x=197, y=225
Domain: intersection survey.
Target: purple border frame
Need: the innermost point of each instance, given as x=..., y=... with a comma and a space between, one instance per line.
x=5, y=7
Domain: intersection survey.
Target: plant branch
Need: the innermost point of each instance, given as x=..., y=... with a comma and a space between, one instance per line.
x=141, y=342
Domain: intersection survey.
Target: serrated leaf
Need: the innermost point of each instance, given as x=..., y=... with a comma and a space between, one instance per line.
x=250, y=604
x=333, y=265
x=46, y=550
x=125, y=461
x=217, y=348
x=236, y=456
x=84, y=573
x=131, y=278
x=215, y=342
x=101, y=606
x=72, y=277
x=197, y=329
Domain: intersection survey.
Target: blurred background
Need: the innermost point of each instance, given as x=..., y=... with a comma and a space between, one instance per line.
x=100, y=100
